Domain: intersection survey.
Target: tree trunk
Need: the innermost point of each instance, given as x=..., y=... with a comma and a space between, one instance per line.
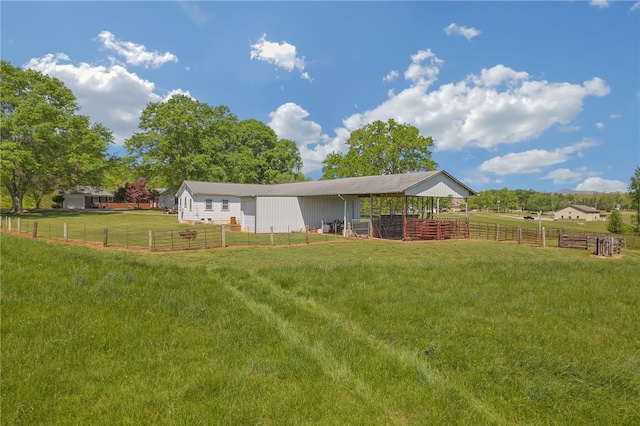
x=16, y=203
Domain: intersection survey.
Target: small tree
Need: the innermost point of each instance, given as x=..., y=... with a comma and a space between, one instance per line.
x=134, y=192
x=615, y=224
x=634, y=192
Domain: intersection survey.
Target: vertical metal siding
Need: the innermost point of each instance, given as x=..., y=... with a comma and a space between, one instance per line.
x=438, y=186
x=283, y=213
x=248, y=221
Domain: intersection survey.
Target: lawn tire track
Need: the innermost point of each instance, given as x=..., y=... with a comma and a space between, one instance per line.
x=406, y=357
x=337, y=370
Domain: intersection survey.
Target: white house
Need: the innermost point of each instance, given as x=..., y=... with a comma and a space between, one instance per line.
x=292, y=207
x=85, y=197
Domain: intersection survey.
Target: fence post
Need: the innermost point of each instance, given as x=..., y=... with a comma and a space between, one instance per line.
x=35, y=229
x=224, y=236
x=519, y=235
x=497, y=232
x=307, y=233
x=150, y=240
x=19, y=225
x=544, y=237
x=65, y=231
x=9, y=223
x=271, y=234
x=105, y=237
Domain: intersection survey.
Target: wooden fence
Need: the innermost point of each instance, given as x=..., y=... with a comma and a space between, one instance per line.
x=601, y=245
x=492, y=231
x=437, y=229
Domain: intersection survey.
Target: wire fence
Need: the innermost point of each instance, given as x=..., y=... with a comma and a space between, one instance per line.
x=216, y=236
x=166, y=240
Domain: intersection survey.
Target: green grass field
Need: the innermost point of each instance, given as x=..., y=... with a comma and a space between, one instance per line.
x=347, y=332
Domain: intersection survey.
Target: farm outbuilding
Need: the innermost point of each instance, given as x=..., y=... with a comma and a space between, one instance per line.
x=326, y=205
x=579, y=212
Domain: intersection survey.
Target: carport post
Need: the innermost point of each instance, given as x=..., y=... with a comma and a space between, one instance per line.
x=271, y=234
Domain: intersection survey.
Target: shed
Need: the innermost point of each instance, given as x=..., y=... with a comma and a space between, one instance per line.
x=293, y=207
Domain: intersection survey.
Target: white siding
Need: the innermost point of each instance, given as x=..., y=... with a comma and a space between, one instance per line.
x=438, y=186
x=294, y=214
x=283, y=213
x=193, y=209
x=248, y=221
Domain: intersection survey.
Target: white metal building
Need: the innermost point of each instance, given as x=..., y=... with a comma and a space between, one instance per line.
x=291, y=207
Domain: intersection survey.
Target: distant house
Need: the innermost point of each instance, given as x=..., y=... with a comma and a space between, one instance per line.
x=167, y=199
x=579, y=212
x=91, y=197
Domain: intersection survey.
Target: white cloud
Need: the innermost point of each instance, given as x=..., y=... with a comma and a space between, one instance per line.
x=532, y=161
x=599, y=125
x=391, y=76
x=560, y=176
x=135, y=54
x=636, y=6
x=109, y=94
x=194, y=12
x=289, y=121
x=601, y=185
x=599, y=3
x=615, y=116
x=420, y=74
x=466, y=32
x=283, y=55
x=497, y=106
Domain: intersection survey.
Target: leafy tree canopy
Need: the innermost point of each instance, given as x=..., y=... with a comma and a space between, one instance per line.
x=135, y=192
x=45, y=145
x=183, y=139
x=381, y=148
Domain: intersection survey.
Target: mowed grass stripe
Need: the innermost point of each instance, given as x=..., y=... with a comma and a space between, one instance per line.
x=425, y=373
x=339, y=372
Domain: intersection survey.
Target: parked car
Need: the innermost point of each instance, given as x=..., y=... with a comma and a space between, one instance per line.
x=529, y=218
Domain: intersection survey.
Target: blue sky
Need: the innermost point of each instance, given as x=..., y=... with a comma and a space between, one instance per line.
x=530, y=95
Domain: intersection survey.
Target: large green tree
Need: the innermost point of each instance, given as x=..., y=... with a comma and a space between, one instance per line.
x=184, y=139
x=45, y=145
x=381, y=148
x=256, y=155
x=634, y=192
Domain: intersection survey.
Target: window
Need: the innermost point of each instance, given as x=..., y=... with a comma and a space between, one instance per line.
x=208, y=204
x=225, y=205
x=190, y=204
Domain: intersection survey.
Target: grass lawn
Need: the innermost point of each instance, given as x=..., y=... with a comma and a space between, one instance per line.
x=347, y=332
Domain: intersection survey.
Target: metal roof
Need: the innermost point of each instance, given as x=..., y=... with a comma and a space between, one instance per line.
x=583, y=208
x=384, y=184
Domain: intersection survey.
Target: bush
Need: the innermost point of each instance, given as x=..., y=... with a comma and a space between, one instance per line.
x=615, y=224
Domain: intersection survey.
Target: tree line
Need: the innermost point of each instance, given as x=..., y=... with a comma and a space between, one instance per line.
x=509, y=200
